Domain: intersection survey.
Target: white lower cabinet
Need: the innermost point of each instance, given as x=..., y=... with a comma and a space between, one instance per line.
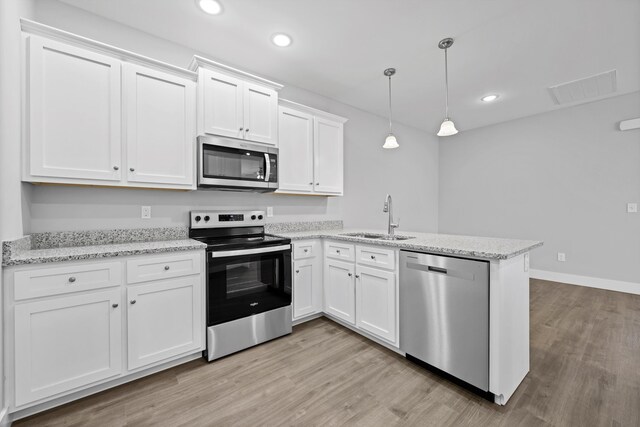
x=66, y=343
x=307, y=288
x=339, y=290
x=164, y=320
x=71, y=323
x=376, y=302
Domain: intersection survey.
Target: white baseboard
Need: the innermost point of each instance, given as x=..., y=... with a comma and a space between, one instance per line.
x=590, y=282
x=5, y=419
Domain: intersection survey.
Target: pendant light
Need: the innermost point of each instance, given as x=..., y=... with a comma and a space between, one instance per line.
x=390, y=141
x=447, y=127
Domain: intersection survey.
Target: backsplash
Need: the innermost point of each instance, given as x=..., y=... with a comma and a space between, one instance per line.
x=289, y=227
x=62, y=239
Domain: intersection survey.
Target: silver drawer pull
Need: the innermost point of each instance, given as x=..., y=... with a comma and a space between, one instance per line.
x=337, y=251
x=115, y=168
x=166, y=267
x=132, y=301
x=350, y=274
x=306, y=250
x=114, y=305
x=373, y=257
x=72, y=279
x=357, y=276
x=297, y=271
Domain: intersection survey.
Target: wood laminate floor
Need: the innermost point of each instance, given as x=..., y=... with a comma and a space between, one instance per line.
x=585, y=371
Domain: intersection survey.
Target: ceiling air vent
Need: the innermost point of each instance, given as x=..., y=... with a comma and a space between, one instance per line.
x=583, y=89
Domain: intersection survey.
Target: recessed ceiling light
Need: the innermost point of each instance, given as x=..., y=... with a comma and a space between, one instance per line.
x=489, y=98
x=281, y=40
x=212, y=7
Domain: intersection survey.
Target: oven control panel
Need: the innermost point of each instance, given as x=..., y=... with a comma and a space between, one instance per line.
x=220, y=219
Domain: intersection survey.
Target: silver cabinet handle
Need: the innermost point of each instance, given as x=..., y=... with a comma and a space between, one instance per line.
x=132, y=169
x=114, y=305
x=350, y=274
x=115, y=168
x=166, y=267
x=72, y=279
x=241, y=129
x=297, y=271
x=317, y=183
x=337, y=251
x=306, y=250
x=311, y=183
x=132, y=301
x=357, y=276
x=373, y=257
x=246, y=130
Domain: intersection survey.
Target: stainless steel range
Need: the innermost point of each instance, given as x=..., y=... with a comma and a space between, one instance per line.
x=248, y=280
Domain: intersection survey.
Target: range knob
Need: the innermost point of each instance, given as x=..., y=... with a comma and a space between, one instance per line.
x=259, y=216
x=206, y=218
x=198, y=218
x=253, y=217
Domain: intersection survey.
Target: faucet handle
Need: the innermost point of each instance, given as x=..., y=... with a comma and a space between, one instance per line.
x=396, y=224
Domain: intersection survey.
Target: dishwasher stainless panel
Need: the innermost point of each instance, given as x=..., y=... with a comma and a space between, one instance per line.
x=444, y=314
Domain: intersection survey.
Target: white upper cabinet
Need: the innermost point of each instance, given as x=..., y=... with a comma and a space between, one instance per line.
x=235, y=104
x=73, y=112
x=310, y=150
x=328, y=155
x=98, y=115
x=160, y=126
x=223, y=106
x=295, y=151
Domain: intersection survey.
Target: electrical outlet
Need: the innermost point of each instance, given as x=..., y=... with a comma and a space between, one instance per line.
x=526, y=262
x=146, y=212
x=562, y=257
x=269, y=211
x=632, y=207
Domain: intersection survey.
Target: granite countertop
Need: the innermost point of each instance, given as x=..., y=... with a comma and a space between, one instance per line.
x=71, y=246
x=449, y=244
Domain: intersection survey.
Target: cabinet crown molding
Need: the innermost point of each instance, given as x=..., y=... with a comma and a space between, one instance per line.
x=310, y=110
x=199, y=61
x=38, y=29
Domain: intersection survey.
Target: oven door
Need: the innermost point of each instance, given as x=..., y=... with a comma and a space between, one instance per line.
x=229, y=163
x=245, y=282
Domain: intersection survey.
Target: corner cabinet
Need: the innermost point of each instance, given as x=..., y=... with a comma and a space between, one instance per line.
x=73, y=327
x=235, y=104
x=311, y=151
x=98, y=115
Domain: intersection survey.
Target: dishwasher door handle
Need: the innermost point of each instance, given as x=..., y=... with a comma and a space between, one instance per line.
x=437, y=269
x=460, y=274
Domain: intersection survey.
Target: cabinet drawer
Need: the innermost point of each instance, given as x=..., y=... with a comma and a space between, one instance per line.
x=341, y=251
x=162, y=267
x=304, y=250
x=376, y=256
x=41, y=282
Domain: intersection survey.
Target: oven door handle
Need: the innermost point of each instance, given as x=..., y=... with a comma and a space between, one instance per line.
x=267, y=175
x=240, y=252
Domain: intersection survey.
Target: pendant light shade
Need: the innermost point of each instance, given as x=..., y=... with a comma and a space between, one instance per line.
x=390, y=141
x=447, y=128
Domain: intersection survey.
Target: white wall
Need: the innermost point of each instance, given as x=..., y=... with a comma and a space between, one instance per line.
x=564, y=177
x=370, y=171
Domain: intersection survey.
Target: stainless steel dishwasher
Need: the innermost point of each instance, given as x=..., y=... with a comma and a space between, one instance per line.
x=444, y=314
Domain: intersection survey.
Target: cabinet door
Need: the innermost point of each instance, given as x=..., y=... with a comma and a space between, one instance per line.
x=376, y=302
x=307, y=288
x=160, y=126
x=165, y=320
x=223, y=99
x=73, y=112
x=328, y=154
x=260, y=114
x=62, y=344
x=339, y=290
x=295, y=150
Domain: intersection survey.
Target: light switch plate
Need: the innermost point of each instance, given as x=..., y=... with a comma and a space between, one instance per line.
x=632, y=207
x=145, y=212
x=562, y=257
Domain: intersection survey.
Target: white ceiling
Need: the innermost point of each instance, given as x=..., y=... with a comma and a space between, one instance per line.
x=515, y=48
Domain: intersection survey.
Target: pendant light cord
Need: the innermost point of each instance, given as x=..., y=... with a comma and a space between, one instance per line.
x=390, y=110
x=446, y=84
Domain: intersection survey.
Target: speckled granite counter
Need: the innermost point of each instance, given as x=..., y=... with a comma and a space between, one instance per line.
x=70, y=246
x=477, y=247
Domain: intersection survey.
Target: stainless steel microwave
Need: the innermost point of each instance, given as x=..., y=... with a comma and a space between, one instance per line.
x=235, y=165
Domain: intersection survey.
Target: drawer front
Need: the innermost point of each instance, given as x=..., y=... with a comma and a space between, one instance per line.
x=304, y=250
x=341, y=251
x=41, y=282
x=376, y=257
x=162, y=267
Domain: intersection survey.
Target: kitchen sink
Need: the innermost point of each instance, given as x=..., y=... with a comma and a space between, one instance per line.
x=376, y=236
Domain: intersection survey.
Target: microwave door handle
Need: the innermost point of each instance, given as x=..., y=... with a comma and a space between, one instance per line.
x=267, y=174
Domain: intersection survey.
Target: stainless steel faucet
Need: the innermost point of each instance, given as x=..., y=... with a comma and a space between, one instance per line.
x=388, y=207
